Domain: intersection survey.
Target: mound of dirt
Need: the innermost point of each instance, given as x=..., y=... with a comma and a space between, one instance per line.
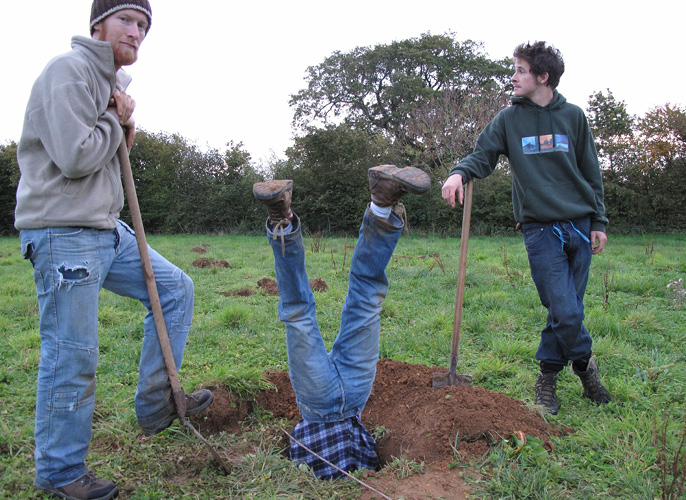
x=269, y=286
x=437, y=427
x=434, y=425
x=422, y=423
x=204, y=262
x=318, y=285
x=198, y=250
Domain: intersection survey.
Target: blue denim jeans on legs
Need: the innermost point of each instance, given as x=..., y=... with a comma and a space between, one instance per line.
x=71, y=265
x=334, y=386
x=560, y=258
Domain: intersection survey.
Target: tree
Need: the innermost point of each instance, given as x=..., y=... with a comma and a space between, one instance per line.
x=9, y=179
x=156, y=162
x=421, y=101
x=448, y=125
x=645, y=166
x=182, y=189
x=376, y=89
x=611, y=125
x=231, y=204
x=664, y=128
x=662, y=161
x=329, y=168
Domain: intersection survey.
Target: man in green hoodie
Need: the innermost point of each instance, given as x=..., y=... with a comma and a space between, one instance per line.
x=557, y=194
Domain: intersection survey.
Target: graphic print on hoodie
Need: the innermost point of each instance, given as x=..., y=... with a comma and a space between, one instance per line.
x=545, y=144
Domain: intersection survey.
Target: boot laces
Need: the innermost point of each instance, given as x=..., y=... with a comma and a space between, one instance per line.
x=279, y=219
x=547, y=394
x=88, y=479
x=546, y=387
x=281, y=225
x=402, y=213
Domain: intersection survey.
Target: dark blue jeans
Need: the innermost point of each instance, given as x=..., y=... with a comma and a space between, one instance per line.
x=560, y=258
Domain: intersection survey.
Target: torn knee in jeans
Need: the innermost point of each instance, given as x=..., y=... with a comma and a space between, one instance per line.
x=72, y=275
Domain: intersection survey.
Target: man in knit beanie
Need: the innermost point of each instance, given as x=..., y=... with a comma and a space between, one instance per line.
x=68, y=203
x=103, y=8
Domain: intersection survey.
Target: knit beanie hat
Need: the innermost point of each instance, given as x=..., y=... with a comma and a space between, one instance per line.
x=103, y=8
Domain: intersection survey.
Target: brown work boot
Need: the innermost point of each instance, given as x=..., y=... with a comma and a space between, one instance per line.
x=389, y=183
x=593, y=387
x=546, y=391
x=196, y=402
x=87, y=487
x=277, y=196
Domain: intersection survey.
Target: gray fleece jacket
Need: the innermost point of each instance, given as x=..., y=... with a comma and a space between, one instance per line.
x=67, y=154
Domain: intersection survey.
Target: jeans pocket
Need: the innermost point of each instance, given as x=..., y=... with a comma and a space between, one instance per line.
x=533, y=234
x=126, y=227
x=27, y=249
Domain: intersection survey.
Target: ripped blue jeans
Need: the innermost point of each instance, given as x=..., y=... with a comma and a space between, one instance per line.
x=560, y=259
x=71, y=265
x=333, y=386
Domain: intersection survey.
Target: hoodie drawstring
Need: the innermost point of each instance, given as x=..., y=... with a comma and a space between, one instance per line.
x=560, y=235
x=583, y=236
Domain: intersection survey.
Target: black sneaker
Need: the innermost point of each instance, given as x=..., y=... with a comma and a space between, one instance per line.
x=87, y=487
x=546, y=391
x=389, y=183
x=196, y=402
x=590, y=380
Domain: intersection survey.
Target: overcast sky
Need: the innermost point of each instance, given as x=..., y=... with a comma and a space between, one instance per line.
x=216, y=71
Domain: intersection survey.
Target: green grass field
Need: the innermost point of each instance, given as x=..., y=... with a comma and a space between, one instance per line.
x=632, y=448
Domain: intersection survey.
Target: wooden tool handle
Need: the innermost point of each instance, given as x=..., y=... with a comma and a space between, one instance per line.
x=462, y=269
x=137, y=220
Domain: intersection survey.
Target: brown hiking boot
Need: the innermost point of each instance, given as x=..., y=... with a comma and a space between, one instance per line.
x=546, y=391
x=196, y=402
x=593, y=387
x=87, y=487
x=389, y=183
x=277, y=196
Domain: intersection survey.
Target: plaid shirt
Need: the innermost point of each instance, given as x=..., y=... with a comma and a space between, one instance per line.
x=346, y=444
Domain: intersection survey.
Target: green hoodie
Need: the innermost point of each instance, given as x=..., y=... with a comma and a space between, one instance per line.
x=554, y=164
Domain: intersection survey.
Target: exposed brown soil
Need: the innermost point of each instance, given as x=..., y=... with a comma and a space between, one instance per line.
x=318, y=285
x=268, y=285
x=438, y=427
x=199, y=250
x=204, y=262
